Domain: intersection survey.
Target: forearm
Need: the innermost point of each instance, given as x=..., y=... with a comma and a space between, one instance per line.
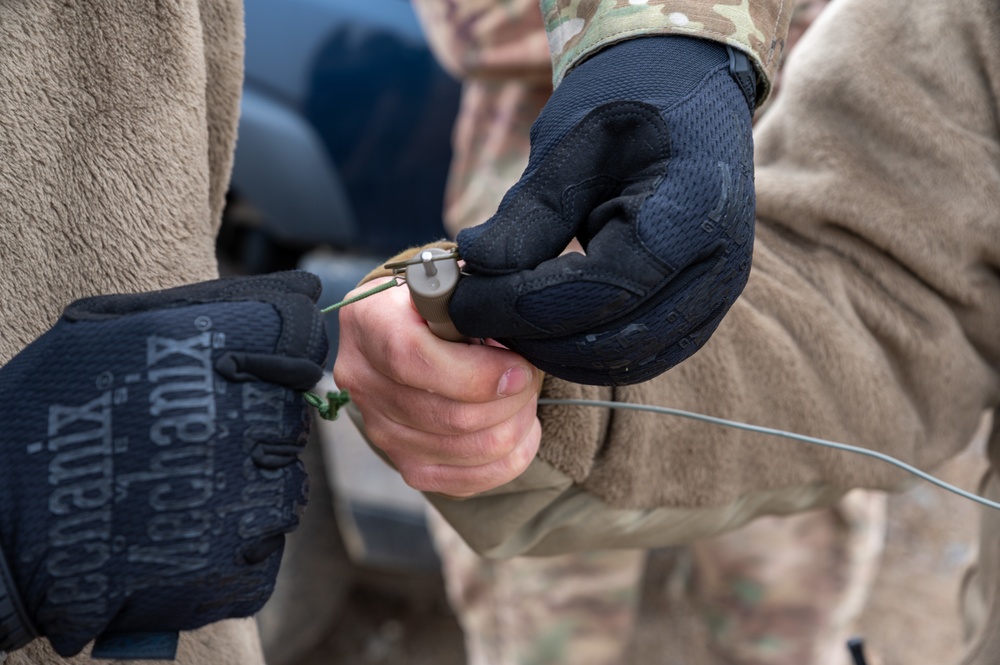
x=837, y=372
x=814, y=346
x=869, y=318
x=866, y=318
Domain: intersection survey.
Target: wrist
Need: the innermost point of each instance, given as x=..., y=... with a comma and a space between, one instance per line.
x=16, y=629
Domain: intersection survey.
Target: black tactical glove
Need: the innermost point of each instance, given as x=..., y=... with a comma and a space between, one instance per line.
x=644, y=153
x=149, y=458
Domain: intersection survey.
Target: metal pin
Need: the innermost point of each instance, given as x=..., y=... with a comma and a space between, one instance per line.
x=436, y=255
x=427, y=258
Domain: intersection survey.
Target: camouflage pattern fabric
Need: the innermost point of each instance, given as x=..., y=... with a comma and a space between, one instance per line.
x=780, y=590
x=499, y=51
x=505, y=38
x=979, y=596
x=490, y=146
x=578, y=28
x=786, y=590
x=577, y=609
x=487, y=38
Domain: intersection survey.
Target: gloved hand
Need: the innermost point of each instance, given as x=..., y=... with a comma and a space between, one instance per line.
x=644, y=153
x=149, y=458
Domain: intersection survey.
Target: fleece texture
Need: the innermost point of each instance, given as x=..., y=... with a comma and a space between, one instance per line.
x=872, y=310
x=227, y=643
x=119, y=120
x=117, y=126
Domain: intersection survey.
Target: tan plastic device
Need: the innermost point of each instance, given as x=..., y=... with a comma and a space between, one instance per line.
x=431, y=284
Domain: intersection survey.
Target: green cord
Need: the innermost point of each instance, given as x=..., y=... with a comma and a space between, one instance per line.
x=328, y=408
x=361, y=296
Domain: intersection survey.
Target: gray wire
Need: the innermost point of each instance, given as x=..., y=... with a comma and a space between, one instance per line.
x=779, y=433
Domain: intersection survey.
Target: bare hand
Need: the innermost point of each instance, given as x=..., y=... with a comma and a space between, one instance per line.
x=454, y=418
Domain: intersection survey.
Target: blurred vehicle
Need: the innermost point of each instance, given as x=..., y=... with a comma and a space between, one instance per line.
x=343, y=152
x=344, y=137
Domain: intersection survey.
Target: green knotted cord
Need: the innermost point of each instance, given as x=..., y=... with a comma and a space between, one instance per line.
x=329, y=407
x=361, y=296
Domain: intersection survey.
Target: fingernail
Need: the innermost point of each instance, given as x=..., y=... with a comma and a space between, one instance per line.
x=514, y=381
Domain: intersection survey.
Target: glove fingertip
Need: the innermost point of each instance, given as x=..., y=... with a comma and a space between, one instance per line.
x=263, y=549
x=520, y=236
x=301, y=281
x=470, y=242
x=292, y=373
x=486, y=307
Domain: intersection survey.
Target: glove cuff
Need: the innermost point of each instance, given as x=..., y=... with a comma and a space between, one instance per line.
x=16, y=629
x=743, y=73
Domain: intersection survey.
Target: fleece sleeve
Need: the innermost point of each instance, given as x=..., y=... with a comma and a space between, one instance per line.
x=870, y=316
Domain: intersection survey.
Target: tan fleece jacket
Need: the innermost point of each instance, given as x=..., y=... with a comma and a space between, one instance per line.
x=117, y=124
x=871, y=316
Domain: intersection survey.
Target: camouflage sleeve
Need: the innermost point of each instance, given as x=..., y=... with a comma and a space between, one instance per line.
x=578, y=28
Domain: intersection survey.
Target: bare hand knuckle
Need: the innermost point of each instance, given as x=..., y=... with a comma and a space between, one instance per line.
x=460, y=418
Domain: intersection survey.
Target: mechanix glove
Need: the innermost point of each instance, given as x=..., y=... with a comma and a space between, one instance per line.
x=644, y=153
x=149, y=458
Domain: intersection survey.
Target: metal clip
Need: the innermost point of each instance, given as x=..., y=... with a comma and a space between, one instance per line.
x=427, y=258
x=431, y=285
